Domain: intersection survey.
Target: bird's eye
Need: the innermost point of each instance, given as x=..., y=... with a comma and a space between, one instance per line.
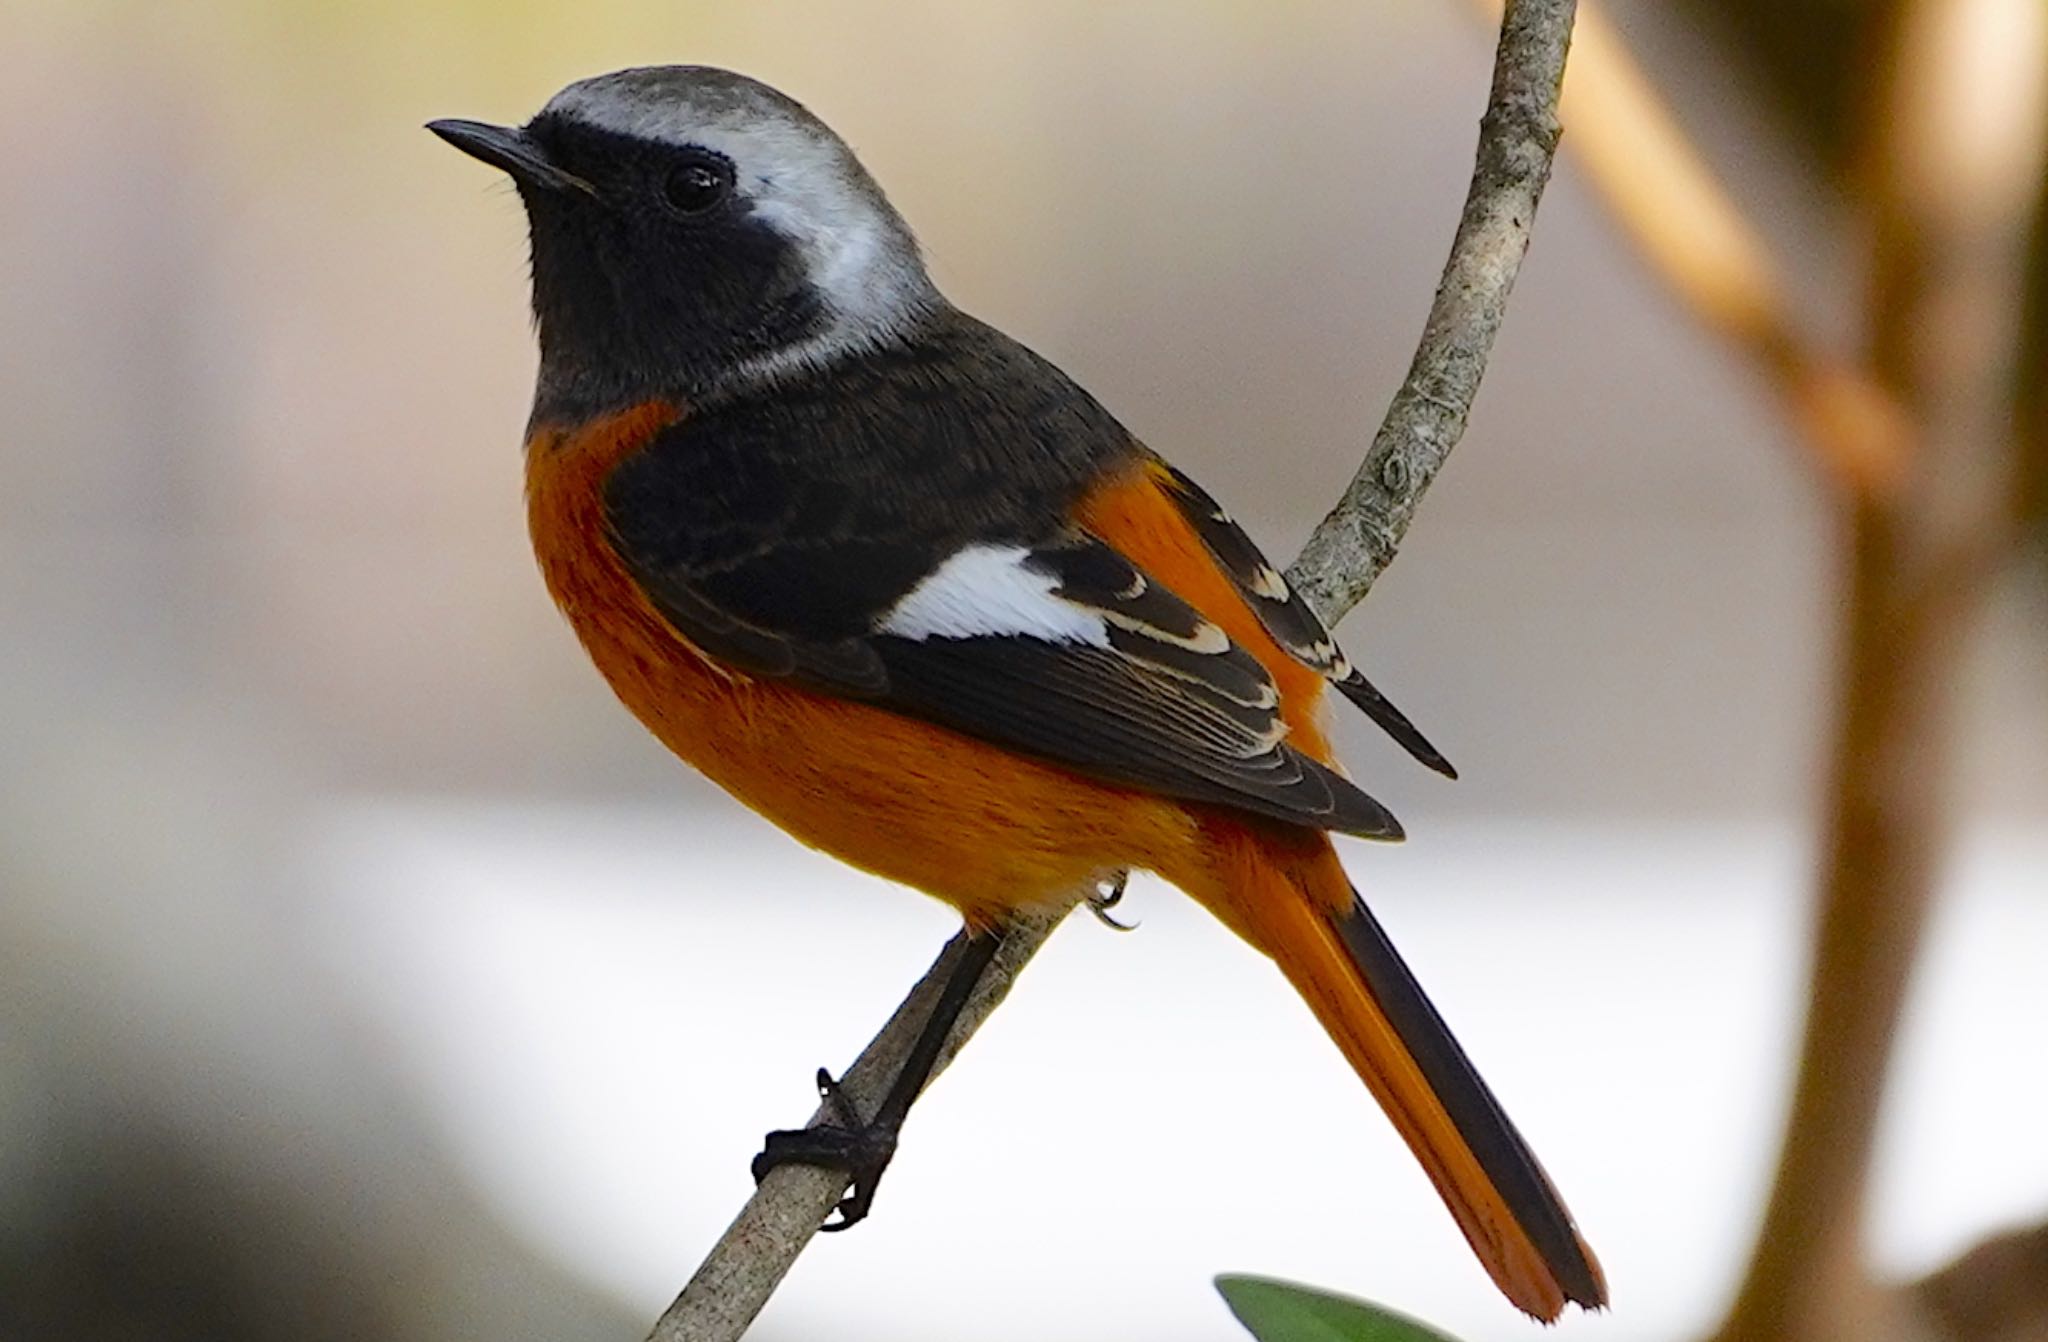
x=697, y=185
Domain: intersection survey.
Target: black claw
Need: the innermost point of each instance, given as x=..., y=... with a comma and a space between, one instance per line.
x=834, y=1094
x=1108, y=897
x=861, y=1152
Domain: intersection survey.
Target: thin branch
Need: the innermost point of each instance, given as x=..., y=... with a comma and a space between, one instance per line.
x=749, y=1261
x=1518, y=137
x=1517, y=141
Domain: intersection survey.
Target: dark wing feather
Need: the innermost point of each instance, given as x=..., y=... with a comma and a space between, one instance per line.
x=1098, y=712
x=1297, y=629
x=1392, y=721
x=779, y=533
x=1170, y=704
x=846, y=665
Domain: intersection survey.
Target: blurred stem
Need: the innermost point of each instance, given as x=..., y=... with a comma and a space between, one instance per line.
x=1518, y=136
x=1956, y=153
x=1697, y=240
x=1888, y=772
x=2031, y=396
x=1997, y=1291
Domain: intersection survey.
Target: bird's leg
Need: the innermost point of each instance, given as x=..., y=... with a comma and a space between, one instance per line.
x=863, y=1149
x=1108, y=897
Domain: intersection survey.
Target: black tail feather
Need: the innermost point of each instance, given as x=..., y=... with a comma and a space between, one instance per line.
x=1500, y=1150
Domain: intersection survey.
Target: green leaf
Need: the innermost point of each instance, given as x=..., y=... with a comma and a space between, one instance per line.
x=1281, y=1311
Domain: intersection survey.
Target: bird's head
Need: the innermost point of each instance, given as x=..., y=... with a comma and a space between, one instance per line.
x=694, y=230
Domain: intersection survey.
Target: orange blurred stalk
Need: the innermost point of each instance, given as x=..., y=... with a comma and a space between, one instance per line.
x=1682, y=219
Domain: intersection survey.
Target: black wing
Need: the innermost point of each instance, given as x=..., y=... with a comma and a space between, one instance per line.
x=784, y=571
x=1164, y=702
x=1296, y=628
x=781, y=534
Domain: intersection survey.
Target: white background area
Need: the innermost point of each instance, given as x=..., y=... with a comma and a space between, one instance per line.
x=607, y=1008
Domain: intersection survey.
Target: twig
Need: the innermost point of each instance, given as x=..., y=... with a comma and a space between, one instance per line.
x=1517, y=141
x=749, y=1261
x=1518, y=137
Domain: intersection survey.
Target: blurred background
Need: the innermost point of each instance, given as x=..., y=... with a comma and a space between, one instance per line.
x=366, y=972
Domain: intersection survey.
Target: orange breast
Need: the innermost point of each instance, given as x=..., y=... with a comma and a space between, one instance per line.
x=975, y=825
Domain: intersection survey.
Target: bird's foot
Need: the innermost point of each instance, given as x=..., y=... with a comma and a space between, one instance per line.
x=1106, y=897
x=845, y=1143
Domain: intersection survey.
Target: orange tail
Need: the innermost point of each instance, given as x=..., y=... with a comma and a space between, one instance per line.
x=1292, y=899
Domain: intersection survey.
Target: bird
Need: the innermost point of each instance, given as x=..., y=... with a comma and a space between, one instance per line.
x=897, y=583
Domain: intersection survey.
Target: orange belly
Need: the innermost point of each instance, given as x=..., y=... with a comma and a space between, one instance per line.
x=978, y=826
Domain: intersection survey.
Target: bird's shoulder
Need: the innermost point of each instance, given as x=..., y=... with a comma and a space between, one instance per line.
x=823, y=498
x=949, y=401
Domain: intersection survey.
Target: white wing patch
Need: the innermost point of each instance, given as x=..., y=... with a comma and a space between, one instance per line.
x=987, y=591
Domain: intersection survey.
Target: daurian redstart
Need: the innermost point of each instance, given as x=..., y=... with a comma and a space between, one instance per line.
x=898, y=584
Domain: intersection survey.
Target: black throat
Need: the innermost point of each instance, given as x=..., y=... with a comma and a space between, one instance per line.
x=632, y=305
